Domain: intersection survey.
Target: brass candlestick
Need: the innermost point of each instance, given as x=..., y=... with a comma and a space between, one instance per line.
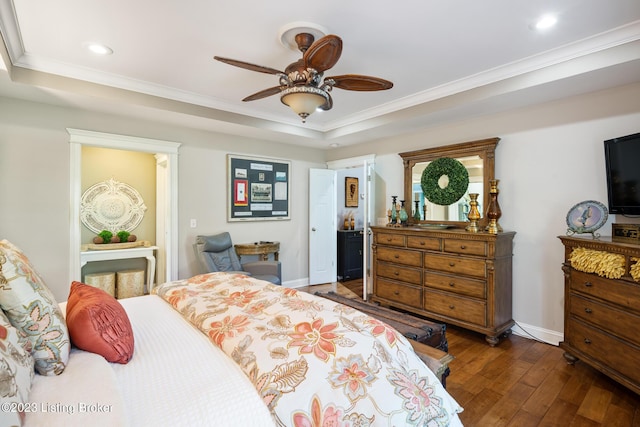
x=493, y=211
x=474, y=214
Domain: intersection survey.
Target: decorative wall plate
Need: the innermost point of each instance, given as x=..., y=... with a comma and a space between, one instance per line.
x=111, y=205
x=586, y=217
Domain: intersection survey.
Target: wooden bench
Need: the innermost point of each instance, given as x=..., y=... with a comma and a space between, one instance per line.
x=427, y=338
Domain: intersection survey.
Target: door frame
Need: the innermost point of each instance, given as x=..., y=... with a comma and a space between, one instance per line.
x=166, y=174
x=367, y=163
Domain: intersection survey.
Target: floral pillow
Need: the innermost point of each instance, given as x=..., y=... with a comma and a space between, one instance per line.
x=16, y=374
x=32, y=309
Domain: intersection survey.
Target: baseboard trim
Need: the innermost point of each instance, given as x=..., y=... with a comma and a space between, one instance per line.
x=299, y=283
x=535, y=332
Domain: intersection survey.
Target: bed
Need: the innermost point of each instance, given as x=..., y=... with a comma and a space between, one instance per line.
x=227, y=349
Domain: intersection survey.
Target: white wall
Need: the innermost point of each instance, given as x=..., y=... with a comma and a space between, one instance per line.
x=35, y=187
x=550, y=157
x=342, y=210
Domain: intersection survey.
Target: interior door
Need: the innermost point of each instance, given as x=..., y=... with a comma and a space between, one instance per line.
x=323, y=239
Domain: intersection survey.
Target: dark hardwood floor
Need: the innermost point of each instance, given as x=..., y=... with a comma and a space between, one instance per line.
x=522, y=382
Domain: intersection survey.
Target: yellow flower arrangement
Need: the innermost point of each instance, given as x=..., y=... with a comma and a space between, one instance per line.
x=602, y=263
x=634, y=270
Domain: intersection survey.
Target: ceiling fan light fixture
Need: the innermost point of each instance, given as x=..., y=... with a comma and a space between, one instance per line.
x=304, y=100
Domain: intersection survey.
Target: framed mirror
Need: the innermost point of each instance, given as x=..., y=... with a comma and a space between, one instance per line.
x=478, y=157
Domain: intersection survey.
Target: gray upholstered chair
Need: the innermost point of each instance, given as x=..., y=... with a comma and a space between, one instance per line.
x=216, y=253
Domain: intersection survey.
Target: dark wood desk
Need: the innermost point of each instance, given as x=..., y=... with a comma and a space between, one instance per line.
x=263, y=249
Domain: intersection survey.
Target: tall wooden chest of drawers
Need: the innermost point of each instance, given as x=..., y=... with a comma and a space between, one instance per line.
x=602, y=313
x=447, y=275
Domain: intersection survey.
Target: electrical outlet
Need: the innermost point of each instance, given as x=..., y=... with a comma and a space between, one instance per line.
x=193, y=223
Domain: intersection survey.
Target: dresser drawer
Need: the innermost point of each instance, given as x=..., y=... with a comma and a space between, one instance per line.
x=614, y=353
x=399, y=256
x=391, y=239
x=618, y=322
x=469, y=247
x=458, y=285
x=461, y=308
x=455, y=265
x=397, y=292
x=400, y=273
x=615, y=291
x=420, y=242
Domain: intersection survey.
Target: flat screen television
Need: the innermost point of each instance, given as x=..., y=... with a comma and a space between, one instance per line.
x=622, y=158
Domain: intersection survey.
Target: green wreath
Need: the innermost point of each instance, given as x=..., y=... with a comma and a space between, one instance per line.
x=455, y=189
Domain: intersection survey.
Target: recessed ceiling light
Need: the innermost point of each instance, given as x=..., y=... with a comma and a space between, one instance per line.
x=99, y=49
x=545, y=22
x=334, y=145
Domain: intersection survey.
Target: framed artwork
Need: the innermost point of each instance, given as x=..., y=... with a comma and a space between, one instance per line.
x=258, y=188
x=351, y=192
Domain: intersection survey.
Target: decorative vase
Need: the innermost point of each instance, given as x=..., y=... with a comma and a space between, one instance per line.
x=493, y=210
x=394, y=212
x=474, y=214
x=416, y=213
x=403, y=213
x=353, y=223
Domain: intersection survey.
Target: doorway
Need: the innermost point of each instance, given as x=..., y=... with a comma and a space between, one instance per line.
x=166, y=194
x=361, y=168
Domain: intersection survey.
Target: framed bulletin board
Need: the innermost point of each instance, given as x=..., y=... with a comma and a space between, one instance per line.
x=258, y=188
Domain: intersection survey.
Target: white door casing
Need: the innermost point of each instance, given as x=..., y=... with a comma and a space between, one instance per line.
x=169, y=173
x=367, y=164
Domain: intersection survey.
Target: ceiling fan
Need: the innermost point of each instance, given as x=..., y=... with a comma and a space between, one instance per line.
x=302, y=87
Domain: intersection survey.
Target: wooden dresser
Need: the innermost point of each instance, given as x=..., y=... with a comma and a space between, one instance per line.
x=602, y=315
x=447, y=275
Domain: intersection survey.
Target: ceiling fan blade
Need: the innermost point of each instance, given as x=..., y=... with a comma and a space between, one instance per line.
x=323, y=53
x=360, y=83
x=263, y=93
x=248, y=66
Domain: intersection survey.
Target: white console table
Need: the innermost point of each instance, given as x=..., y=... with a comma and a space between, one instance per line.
x=114, y=254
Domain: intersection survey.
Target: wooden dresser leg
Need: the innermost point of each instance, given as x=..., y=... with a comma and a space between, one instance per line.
x=570, y=358
x=492, y=340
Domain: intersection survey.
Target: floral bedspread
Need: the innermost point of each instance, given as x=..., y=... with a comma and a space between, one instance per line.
x=313, y=361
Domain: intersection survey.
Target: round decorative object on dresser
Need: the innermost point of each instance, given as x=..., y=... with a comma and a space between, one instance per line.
x=586, y=217
x=454, y=175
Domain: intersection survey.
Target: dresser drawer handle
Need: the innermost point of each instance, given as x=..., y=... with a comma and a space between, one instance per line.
x=452, y=264
x=588, y=310
x=389, y=239
x=396, y=256
x=452, y=284
x=587, y=341
x=422, y=243
x=452, y=306
x=588, y=284
x=463, y=246
x=396, y=273
x=396, y=292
